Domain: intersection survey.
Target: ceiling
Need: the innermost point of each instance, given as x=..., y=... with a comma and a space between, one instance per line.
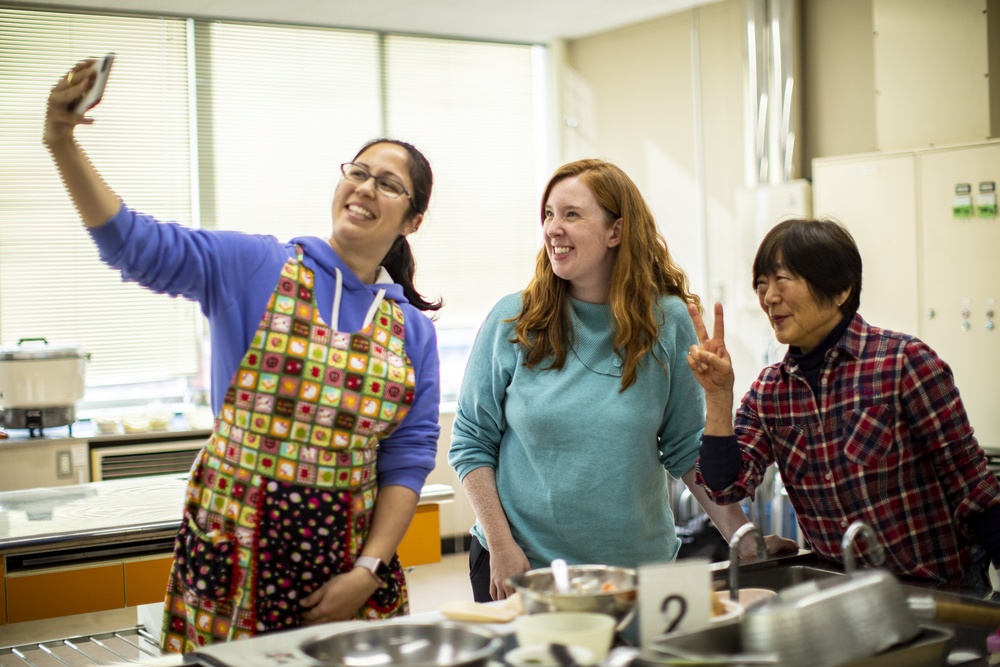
x=528, y=21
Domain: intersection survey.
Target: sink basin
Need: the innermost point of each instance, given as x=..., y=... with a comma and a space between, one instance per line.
x=780, y=578
x=723, y=645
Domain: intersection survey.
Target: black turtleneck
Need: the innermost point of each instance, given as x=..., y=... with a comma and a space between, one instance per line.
x=811, y=363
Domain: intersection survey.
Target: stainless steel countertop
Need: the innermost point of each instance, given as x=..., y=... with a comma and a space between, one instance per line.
x=114, y=510
x=87, y=431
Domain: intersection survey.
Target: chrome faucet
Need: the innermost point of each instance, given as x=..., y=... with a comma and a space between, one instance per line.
x=734, y=555
x=847, y=545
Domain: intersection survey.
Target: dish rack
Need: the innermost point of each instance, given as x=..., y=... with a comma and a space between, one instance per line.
x=128, y=646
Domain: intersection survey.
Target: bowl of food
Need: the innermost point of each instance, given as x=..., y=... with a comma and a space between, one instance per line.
x=725, y=610
x=604, y=589
x=443, y=644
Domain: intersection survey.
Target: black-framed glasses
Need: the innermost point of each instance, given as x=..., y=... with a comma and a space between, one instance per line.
x=389, y=187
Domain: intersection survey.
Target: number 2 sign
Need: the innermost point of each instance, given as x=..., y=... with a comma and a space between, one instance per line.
x=673, y=596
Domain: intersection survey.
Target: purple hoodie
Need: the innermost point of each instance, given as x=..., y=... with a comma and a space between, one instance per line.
x=232, y=276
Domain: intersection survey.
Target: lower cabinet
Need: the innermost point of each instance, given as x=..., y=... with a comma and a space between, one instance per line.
x=422, y=542
x=78, y=589
x=37, y=595
x=146, y=580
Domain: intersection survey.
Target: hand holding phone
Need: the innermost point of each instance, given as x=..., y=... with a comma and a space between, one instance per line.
x=101, y=68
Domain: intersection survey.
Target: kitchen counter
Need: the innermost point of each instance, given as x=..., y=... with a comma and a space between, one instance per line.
x=281, y=648
x=72, y=516
x=109, y=545
x=87, y=430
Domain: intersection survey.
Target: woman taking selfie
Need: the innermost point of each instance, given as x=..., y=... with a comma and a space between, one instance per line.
x=324, y=387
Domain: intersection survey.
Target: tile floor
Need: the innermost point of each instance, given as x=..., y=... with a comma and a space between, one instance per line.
x=430, y=586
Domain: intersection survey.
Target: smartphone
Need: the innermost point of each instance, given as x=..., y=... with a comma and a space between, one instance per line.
x=101, y=67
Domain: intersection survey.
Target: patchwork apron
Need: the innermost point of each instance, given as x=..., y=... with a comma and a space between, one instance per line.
x=281, y=498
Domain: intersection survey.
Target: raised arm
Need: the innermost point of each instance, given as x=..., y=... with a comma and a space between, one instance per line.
x=94, y=200
x=713, y=368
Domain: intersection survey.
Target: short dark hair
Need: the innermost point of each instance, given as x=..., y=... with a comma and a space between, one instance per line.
x=821, y=251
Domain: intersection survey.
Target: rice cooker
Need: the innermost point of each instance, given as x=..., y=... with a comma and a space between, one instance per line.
x=41, y=383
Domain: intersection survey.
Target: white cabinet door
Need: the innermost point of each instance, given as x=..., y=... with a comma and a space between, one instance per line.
x=874, y=196
x=960, y=280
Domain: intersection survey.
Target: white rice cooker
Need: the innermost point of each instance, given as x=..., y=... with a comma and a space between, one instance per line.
x=41, y=383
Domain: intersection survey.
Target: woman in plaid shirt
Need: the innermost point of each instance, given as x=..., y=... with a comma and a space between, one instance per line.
x=864, y=423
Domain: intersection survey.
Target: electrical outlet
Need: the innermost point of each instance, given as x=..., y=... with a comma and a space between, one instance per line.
x=64, y=465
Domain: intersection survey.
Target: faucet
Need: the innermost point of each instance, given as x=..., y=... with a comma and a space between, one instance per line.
x=734, y=555
x=847, y=545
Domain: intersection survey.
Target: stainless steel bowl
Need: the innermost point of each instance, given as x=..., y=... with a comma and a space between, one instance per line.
x=605, y=589
x=441, y=644
x=831, y=622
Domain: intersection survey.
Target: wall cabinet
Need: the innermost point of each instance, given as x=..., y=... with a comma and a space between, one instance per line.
x=929, y=255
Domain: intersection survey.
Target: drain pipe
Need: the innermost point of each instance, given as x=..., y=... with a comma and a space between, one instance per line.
x=770, y=99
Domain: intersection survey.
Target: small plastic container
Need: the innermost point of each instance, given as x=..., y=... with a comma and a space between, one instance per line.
x=540, y=655
x=570, y=628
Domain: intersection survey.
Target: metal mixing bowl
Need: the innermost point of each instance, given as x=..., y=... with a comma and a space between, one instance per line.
x=441, y=644
x=589, y=586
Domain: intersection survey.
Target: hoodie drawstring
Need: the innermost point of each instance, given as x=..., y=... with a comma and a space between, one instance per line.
x=369, y=316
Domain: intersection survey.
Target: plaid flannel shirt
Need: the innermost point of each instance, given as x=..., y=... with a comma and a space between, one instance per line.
x=886, y=441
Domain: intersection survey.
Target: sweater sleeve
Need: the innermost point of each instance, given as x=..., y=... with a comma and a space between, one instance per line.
x=479, y=418
x=719, y=462
x=231, y=275
x=684, y=410
x=407, y=456
x=986, y=529
x=206, y=266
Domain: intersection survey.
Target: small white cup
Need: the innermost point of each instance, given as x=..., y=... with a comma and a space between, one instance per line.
x=570, y=628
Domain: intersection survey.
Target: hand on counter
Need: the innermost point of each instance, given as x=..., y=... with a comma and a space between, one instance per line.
x=780, y=546
x=776, y=546
x=340, y=598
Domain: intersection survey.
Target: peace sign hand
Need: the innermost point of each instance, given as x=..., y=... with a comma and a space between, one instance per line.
x=709, y=361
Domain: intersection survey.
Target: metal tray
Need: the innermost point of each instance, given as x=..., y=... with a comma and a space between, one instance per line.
x=721, y=645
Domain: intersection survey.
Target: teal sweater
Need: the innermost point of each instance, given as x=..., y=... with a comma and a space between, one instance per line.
x=581, y=468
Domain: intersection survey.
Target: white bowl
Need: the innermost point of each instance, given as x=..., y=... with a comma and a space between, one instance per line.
x=540, y=655
x=748, y=596
x=590, y=630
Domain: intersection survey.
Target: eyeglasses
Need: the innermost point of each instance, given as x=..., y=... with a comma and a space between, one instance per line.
x=390, y=187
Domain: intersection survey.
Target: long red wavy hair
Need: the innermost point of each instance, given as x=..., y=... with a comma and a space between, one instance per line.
x=643, y=270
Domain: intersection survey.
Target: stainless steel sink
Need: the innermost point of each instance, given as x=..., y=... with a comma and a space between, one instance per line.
x=722, y=645
x=780, y=578
x=777, y=574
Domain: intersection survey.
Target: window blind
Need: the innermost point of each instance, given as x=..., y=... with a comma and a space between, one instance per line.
x=256, y=148
x=280, y=108
x=471, y=107
x=52, y=283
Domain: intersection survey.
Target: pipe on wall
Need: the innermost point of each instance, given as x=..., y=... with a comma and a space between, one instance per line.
x=771, y=101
